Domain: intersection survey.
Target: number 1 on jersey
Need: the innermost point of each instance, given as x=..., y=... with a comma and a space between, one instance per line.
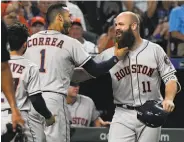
x=146, y=87
x=42, y=64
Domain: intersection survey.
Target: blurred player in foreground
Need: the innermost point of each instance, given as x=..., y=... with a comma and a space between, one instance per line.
x=26, y=85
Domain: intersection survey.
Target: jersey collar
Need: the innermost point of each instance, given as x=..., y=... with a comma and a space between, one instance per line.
x=50, y=31
x=13, y=57
x=143, y=44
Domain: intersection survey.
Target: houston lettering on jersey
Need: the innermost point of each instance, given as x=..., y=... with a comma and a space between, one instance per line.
x=40, y=41
x=79, y=120
x=16, y=68
x=134, y=69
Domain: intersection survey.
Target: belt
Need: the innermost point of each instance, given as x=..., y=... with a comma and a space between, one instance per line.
x=128, y=107
x=9, y=111
x=55, y=92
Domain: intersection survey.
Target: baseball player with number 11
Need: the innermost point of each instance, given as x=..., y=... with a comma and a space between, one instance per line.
x=136, y=79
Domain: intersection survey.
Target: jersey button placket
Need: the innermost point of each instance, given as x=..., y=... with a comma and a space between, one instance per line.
x=135, y=81
x=134, y=77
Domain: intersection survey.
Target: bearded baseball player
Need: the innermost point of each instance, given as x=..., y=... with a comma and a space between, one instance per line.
x=57, y=55
x=82, y=109
x=136, y=79
x=27, y=88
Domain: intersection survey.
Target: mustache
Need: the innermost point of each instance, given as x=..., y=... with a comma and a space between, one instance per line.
x=119, y=31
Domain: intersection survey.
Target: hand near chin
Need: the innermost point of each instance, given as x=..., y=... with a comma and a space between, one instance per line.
x=120, y=52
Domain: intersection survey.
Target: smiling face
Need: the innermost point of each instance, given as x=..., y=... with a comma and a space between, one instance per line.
x=124, y=28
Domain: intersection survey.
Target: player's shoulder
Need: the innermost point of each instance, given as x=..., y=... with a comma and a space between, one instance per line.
x=177, y=9
x=69, y=40
x=29, y=63
x=89, y=42
x=86, y=99
x=153, y=45
x=75, y=41
x=109, y=50
x=105, y=55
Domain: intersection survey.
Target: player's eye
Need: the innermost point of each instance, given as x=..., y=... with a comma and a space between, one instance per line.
x=121, y=24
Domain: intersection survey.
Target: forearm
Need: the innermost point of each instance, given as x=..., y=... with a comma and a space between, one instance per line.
x=40, y=106
x=129, y=5
x=170, y=90
x=152, y=5
x=7, y=84
x=100, y=123
x=12, y=7
x=97, y=122
x=102, y=43
x=97, y=69
x=177, y=35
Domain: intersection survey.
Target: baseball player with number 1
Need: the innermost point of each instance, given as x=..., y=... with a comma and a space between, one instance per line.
x=136, y=79
x=57, y=55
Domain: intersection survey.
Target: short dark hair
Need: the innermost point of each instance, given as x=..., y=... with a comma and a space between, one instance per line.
x=52, y=12
x=17, y=36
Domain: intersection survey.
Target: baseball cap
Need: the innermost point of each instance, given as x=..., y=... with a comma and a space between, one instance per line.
x=76, y=21
x=37, y=19
x=74, y=84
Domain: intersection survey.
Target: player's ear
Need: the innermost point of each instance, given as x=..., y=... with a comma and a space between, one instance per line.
x=60, y=17
x=134, y=26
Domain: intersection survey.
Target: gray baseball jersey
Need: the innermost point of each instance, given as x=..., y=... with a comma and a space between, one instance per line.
x=57, y=55
x=83, y=111
x=26, y=82
x=137, y=77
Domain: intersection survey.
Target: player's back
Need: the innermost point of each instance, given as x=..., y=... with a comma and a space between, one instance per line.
x=25, y=82
x=56, y=55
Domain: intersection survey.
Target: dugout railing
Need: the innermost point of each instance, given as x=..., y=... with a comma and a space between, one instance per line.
x=101, y=135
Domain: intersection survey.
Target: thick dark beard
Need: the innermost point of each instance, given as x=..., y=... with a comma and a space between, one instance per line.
x=66, y=26
x=127, y=39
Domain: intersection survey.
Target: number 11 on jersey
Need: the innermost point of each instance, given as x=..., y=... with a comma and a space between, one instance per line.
x=42, y=63
x=146, y=86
